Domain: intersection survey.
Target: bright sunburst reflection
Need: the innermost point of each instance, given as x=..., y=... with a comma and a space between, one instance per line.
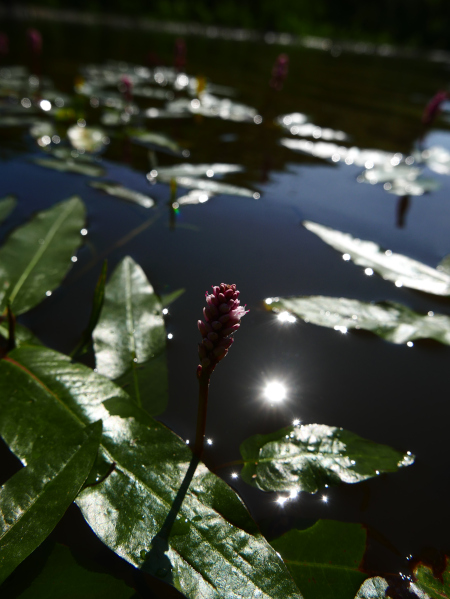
x=275, y=392
x=286, y=317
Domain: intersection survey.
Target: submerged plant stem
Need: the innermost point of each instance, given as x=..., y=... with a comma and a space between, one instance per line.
x=203, y=382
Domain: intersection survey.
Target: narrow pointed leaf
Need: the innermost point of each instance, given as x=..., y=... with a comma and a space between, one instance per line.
x=196, y=170
x=71, y=165
x=158, y=141
x=391, y=321
x=169, y=298
x=210, y=186
x=118, y=191
x=391, y=266
x=36, y=257
x=436, y=588
x=33, y=501
x=130, y=333
x=7, y=205
x=310, y=456
x=325, y=560
x=195, y=534
x=63, y=576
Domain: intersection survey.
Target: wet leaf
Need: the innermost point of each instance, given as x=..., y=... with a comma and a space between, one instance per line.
x=194, y=197
x=212, y=106
x=399, y=179
x=63, y=576
x=34, y=500
x=86, y=139
x=157, y=508
x=23, y=335
x=36, y=257
x=7, y=205
x=434, y=587
x=216, y=187
x=436, y=158
x=157, y=141
x=310, y=456
x=130, y=336
x=297, y=124
x=324, y=560
x=393, y=322
x=373, y=588
x=118, y=191
x=71, y=165
x=193, y=170
x=400, y=269
x=337, y=153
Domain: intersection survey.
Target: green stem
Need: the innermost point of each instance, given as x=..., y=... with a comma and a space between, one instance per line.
x=203, y=382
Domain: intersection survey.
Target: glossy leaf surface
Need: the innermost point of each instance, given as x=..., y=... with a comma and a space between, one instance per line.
x=391, y=266
x=63, y=576
x=310, y=456
x=428, y=583
x=324, y=560
x=157, y=141
x=373, y=588
x=71, y=165
x=7, y=205
x=33, y=501
x=393, y=322
x=216, y=187
x=195, y=170
x=118, y=191
x=36, y=257
x=130, y=337
x=157, y=508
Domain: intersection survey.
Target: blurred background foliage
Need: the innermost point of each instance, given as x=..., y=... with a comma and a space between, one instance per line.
x=417, y=23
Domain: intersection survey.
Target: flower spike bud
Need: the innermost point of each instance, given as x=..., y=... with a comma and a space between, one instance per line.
x=279, y=72
x=216, y=340
x=433, y=108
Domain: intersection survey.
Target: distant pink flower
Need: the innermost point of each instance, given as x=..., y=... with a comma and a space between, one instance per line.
x=4, y=44
x=126, y=87
x=433, y=107
x=279, y=72
x=222, y=316
x=34, y=39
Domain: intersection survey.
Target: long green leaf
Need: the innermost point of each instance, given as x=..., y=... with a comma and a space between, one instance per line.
x=155, y=509
x=397, y=268
x=36, y=256
x=7, y=205
x=80, y=167
x=324, y=560
x=130, y=338
x=119, y=191
x=391, y=321
x=63, y=576
x=310, y=456
x=33, y=501
x=428, y=583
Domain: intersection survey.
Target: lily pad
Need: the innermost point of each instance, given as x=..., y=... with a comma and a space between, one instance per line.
x=391, y=321
x=212, y=106
x=310, y=456
x=325, y=560
x=157, y=141
x=336, y=153
x=215, y=187
x=118, y=191
x=36, y=257
x=297, y=124
x=400, y=269
x=7, y=205
x=130, y=337
x=156, y=508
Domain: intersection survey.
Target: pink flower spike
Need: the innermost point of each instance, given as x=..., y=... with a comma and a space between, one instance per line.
x=222, y=306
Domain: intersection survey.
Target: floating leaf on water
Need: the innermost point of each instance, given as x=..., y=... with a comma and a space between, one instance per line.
x=294, y=118
x=152, y=92
x=154, y=140
x=118, y=191
x=296, y=123
x=36, y=256
x=160, y=113
x=130, y=333
x=400, y=269
x=34, y=500
x=113, y=118
x=373, y=588
x=86, y=139
x=400, y=179
x=393, y=322
x=62, y=575
x=213, y=186
x=41, y=128
x=211, y=106
x=186, y=169
x=426, y=582
x=71, y=165
x=436, y=158
x=133, y=508
x=195, y=196
x=325, y=560
x=7, y=205
x=328, y=150
x=310, y=456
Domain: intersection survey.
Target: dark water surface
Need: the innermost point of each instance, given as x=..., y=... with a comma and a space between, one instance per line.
x=388, y=393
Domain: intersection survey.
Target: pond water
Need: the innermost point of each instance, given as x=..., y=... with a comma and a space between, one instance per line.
x=392, y=394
